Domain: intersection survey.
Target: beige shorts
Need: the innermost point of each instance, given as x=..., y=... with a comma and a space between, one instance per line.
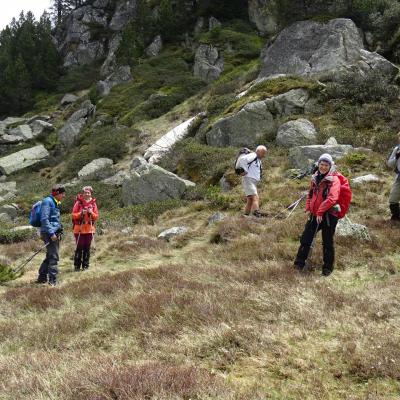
x=249, y=186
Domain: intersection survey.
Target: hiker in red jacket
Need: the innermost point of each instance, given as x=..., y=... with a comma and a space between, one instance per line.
x=323, y=209
x=84, y=214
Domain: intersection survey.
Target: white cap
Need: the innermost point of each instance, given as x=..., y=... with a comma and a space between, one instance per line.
x=327, y=158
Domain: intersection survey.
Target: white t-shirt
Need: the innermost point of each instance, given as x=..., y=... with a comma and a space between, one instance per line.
x=252, y=165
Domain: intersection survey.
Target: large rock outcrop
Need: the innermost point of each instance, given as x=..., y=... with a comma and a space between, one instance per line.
x=121, y=75
x=22, y=159
x=254, y=121
x=70, y=132
x=303, y=156
x=100, y=168
x=208, y=63
x=151, y=183
x=299, y=132
x=324, y=50
x=87, y=33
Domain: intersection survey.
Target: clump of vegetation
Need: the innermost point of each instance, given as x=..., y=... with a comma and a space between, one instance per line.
x=160, y=84
x=98, y=143
x=199, y=162
x=12, y=236
x=6, y=274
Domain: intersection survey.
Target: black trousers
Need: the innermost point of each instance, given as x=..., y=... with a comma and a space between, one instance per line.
x=328, y=227
x=49, y=266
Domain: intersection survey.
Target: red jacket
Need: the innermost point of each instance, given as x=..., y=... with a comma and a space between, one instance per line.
x=84, y=222
x=324, y=196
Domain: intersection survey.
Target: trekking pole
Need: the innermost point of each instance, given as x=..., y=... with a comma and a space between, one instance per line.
x=311, y=247
x=293, y=206
x=20, y=267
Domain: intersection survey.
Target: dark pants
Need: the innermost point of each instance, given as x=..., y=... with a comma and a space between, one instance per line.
x=82, y=251
x=49, y=267
x=328, y=227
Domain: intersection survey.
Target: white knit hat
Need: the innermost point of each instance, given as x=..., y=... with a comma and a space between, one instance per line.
x=327, y=158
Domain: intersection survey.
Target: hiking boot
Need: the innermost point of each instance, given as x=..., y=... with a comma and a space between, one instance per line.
x=395, y=210
x=53, y=283
x=299, y=268
x=326, y=272
x=257, y=214
x=41, y=281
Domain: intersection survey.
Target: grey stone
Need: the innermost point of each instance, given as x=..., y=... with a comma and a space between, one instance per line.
x=110, y=63
x=127, y=230
x=117, y=179
x=254, y=121
x=213, y=23
x=360, y=180
x=303, y=156
x=151, y=183
x=13, y=120
x=331, y=142
x=121, y=75
x=69, y=99
x=262, y=16
x=124, y=11
x=138, y=162
x=245, y=128
x=10, y=209
x=172, y=232
x=40, y=127
x=300, y=132
x=324, y=50
x=100, y=168
x=217, y=217
x=224, y=184
x=25, y=228
x=10, y=139
x=22, y=159
x=155, y=47
x=209, y=63
x=22, y=131
x=71, y=131
x=199, y=27
x=4, y=217
x=8, y=187
x=345, y=228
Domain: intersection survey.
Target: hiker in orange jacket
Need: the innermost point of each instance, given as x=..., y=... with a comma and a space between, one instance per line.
x=323, y=212
x=84, y=214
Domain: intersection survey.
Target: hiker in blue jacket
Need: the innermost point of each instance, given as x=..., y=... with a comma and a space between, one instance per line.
x=50, y=231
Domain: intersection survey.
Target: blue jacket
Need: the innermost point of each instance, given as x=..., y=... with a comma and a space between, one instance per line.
x=50, y=216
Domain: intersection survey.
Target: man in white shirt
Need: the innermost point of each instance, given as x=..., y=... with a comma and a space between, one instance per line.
x=251, y=164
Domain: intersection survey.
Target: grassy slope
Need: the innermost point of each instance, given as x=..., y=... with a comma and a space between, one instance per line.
x=219, y=312
x=231, y=320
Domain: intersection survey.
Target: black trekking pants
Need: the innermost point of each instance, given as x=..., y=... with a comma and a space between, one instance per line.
x=328, y=227
x=49, y=267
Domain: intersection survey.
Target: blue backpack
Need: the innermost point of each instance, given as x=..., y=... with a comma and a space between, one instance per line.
x=35, y=214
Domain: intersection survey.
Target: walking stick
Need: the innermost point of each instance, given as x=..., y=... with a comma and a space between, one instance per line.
x=20, y=267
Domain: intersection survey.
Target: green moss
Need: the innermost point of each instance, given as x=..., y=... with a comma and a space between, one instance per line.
x=8, y=236
x=78, y=78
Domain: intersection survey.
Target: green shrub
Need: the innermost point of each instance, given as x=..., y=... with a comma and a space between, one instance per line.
x=104, y=142
x=217, y=104
x=8, y=236
x=199, y=162
x=78, y=78
x=160, y=84
x=361, y=89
